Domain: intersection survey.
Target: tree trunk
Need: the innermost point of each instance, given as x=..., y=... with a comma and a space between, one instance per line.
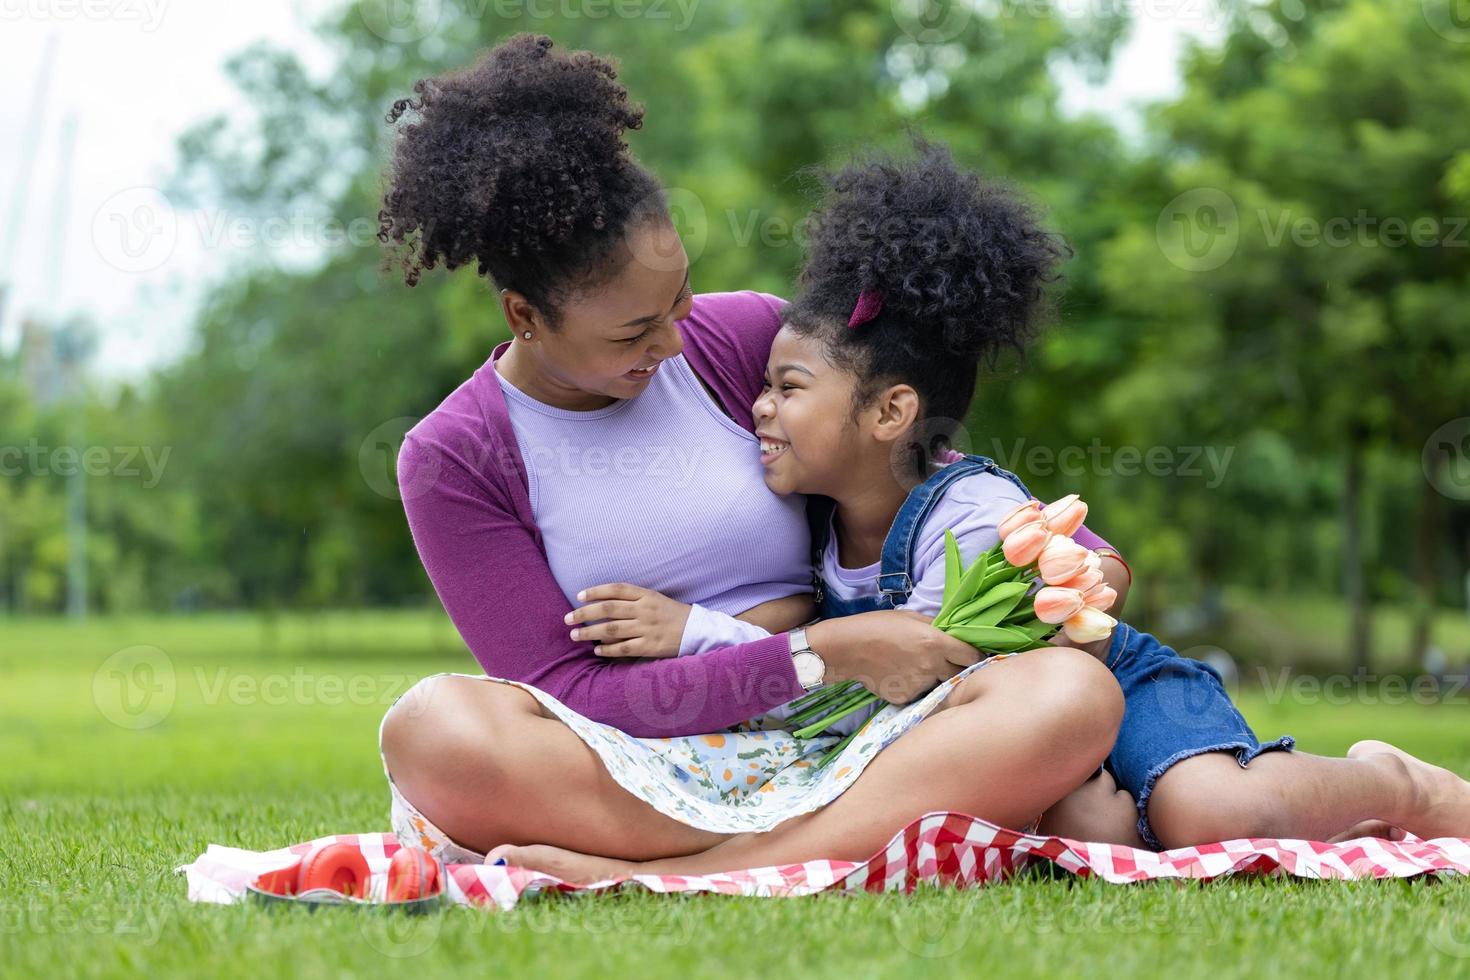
x=1360, y=620
x=1426, y=551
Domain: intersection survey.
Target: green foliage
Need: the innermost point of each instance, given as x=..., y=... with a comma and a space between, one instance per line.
x=1253, y=380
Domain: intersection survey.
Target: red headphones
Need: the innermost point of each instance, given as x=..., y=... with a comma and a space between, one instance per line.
x=412, y=874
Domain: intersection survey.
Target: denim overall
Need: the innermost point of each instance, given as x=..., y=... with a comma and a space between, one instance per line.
x=1174, y=707
x=895, y=582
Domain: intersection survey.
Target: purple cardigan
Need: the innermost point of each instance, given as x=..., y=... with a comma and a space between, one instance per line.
x=465, y=491
x=466, y=494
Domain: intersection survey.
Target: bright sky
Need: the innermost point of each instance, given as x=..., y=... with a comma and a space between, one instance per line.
x=134, y=74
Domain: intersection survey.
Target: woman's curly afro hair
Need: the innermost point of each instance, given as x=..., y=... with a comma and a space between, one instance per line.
x=518, y=163
x=961, y=264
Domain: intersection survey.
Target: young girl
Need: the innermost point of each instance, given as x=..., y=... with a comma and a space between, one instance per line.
x=918, y=273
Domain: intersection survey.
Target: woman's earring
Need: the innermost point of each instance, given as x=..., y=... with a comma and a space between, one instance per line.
x=527, y=335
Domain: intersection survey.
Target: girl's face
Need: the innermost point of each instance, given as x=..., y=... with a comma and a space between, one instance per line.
x=804, y=419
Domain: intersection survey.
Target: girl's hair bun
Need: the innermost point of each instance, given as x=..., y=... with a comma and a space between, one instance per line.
x=961, y=262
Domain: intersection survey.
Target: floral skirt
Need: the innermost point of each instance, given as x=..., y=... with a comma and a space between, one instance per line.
x=749, y=777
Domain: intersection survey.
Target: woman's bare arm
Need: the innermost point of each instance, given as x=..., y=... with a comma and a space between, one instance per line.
x=780, y=615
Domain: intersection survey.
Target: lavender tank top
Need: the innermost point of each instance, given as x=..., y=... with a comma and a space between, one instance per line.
x=661, y=490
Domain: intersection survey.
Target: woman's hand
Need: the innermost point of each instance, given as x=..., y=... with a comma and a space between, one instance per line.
x=636, y=622
x=894, y=653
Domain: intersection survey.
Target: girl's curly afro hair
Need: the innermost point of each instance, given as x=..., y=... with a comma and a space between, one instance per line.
x=961, y=264
x=518, y=163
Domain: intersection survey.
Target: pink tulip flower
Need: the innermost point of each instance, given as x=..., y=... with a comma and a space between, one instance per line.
x=1027, y=513
x=1025, y=544
x=1102, y=597
x=1060, y=559
x=1065, y=515
x=1055, y=606
x=1084, y=581
x=1088, y=625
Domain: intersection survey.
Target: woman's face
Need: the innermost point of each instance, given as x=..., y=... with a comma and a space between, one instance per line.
x=613, y=338
x=803, y=418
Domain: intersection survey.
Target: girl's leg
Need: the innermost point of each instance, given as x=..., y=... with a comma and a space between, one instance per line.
x=487, y=764
x=1295, y=795
x=1010, y=741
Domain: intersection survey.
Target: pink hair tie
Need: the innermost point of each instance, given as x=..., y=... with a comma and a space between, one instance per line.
x=869, y=305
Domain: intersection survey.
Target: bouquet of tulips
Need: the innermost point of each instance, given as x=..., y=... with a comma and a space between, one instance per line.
x=995, y=605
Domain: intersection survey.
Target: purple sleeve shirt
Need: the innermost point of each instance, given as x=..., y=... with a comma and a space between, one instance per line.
x=465, y=494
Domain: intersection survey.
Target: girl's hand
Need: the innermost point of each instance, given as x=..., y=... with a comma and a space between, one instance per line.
x=636, y=622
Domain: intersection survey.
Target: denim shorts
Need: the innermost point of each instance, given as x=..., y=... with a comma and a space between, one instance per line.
x=1174, y=708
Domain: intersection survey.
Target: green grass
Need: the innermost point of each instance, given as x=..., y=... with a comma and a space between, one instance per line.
x=268, y=738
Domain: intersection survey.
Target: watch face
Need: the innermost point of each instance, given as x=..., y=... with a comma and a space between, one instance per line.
x=809, y=668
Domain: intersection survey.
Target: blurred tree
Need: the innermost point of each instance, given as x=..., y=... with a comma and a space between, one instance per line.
x=1314, y=249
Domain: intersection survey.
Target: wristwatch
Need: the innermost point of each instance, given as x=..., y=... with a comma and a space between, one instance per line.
x=810, y=667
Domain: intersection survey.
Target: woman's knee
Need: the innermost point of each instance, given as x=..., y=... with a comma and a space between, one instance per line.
x=446, y=722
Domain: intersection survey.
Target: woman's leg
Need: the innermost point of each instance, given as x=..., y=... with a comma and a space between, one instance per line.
x=1211, y=797
x=487, y=764
x=1008, y=742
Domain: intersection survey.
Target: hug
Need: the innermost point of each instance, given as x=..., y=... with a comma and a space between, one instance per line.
x=641, y=636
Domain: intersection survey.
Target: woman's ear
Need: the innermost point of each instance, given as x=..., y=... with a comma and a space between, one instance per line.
x=520, y=314
x=897, y=411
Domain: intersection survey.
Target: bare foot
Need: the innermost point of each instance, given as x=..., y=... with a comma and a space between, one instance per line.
x=1441, y=806
x=1368, y=828
x=572, y=866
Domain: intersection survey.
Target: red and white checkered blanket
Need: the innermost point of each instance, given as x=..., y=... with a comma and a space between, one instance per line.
x=940, y=848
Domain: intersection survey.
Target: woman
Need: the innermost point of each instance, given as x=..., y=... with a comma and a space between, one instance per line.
x=549, y=471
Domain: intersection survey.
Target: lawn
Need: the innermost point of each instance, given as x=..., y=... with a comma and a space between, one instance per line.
x=131, y=744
